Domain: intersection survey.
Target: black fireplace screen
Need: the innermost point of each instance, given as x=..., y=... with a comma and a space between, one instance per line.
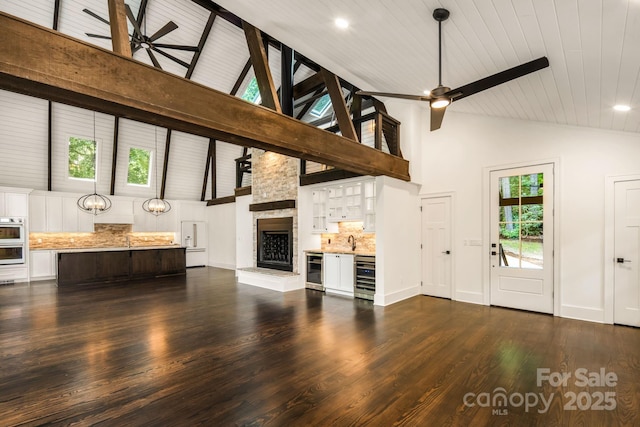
x=275, y=243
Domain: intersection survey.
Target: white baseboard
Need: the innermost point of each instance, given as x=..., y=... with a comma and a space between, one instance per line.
x=582, y=313
x=397, y=296
x=223, y=265
x=272, y=280
x=472, y=297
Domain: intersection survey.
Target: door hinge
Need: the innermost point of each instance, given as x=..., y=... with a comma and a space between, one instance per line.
x=420, y=245
x=420, y=208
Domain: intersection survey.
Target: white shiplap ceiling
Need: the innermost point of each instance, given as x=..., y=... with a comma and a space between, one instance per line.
x=392, y=46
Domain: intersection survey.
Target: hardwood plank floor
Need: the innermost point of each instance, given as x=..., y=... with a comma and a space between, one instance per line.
x=203, y=350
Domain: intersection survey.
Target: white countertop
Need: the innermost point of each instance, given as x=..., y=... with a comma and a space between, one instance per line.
x=115, y=248
x=340, y=251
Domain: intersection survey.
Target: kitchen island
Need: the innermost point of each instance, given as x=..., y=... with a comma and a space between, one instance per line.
x=104, y=265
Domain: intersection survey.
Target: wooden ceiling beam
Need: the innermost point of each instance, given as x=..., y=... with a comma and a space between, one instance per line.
x=260, y=62
x=40, y=62
x=339, y=105
x=119, y=29
x=311, y=84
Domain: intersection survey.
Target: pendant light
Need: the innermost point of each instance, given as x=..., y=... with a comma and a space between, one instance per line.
x=156, y=206
x=94, y=203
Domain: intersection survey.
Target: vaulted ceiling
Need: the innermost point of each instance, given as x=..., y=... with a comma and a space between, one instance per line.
x=393, y=47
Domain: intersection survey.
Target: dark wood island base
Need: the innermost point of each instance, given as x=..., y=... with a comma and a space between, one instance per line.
x=80, y=267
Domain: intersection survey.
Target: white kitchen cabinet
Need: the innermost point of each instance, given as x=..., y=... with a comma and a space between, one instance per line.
x=319, y=198
x=344, y=202
x=369, y=206
x=338, y=273
x=54, y=214
x=14, y=204
x=42, y=264
x=37, y=213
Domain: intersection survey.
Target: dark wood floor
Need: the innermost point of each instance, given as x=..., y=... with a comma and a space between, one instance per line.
x=202, y=350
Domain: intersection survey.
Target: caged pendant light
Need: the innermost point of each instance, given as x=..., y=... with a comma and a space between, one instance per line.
x=94, y=203
x=156, y=206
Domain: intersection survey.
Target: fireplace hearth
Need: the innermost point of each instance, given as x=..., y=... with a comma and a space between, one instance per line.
x=275, y=243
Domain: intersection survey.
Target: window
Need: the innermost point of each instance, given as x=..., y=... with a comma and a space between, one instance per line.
x=321, y=106
x=139, y=172
x=252, y=93
x=82, y=158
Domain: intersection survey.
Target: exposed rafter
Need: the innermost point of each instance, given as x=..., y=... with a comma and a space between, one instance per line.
x=260, y=62
x=100, y=80
x=201, y=43
x=119, y=29
x=339, y=105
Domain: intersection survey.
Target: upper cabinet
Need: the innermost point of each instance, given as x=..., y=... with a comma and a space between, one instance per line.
x=14, y=203
x=57, y=213
x=345, y=202
x=352, y=201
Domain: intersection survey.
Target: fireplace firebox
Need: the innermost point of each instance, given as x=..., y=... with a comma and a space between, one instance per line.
x=275, y=243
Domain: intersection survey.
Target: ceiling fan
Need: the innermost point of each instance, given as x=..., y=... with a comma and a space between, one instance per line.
x=442, y=96
x=139, y=40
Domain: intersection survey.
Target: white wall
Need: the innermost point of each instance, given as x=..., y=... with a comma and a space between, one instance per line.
x=23, y=141
x=455, y=159
x=244, y=232
x=397, y=240
x=222, y=235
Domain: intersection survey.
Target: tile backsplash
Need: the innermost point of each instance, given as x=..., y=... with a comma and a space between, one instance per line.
x=104, y=236
x=365, y=242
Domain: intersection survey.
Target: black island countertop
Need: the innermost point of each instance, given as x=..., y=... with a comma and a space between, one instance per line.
x=113, y=264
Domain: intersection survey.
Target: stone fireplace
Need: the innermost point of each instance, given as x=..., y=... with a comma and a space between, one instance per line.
x=275, y=193
x=275, y=243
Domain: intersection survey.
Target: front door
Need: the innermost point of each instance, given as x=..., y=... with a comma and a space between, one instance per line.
x=522, y=238
x=627, y=249
x=436, y=247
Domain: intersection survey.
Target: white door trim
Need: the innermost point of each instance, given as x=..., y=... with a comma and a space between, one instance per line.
x=609, y=241
x=452, y=231
x=486, y=227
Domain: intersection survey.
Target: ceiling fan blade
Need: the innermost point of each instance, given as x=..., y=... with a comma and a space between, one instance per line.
x=437, y=114
x=395, y=95
x=171, y=57
x=498, y=79
x=95, y=15
x=134, y=22
x=98, y=36
x=168, y=27
x=178, y=47
x=153, y=59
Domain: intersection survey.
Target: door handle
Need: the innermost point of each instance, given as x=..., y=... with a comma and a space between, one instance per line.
x=621, y=260
x=446, y=252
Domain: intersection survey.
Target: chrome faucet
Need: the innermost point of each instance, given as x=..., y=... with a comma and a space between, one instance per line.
x=352, y=240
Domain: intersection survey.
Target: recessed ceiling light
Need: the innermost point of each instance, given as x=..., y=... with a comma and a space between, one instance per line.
x=621, y=107
x=342, y=23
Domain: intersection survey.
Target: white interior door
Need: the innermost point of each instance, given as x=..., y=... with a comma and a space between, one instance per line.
x=522, y=238
x=436, y=247
x=626, y=251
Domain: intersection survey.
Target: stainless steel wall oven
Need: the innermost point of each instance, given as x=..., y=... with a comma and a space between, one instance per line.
x=12, y=241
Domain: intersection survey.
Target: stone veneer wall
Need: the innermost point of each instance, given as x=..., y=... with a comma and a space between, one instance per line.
x=365, y=242
x=104, y=236
x=274, y=177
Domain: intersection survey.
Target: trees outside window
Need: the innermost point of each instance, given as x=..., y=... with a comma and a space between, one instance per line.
x=82, y=158
x=139, y=167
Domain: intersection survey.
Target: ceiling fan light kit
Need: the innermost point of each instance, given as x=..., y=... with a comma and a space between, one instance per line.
x=440, y=97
